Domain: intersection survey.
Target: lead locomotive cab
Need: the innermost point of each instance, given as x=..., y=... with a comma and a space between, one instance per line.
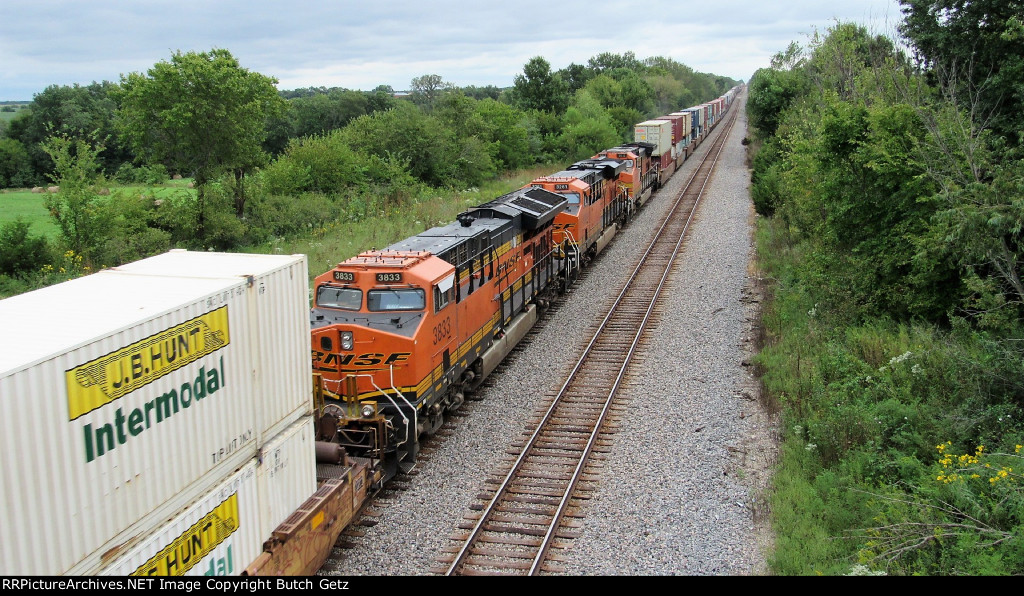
x=400, y=335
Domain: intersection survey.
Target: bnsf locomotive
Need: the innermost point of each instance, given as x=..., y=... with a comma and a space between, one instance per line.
x=401, y=335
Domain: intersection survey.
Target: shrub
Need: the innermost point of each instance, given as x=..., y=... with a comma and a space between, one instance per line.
x=15, y=165
x=19, y=251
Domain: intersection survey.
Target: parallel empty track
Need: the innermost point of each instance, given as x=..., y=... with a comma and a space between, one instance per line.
x=515, y=527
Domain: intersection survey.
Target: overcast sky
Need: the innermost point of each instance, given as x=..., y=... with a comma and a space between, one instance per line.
x=362, y=44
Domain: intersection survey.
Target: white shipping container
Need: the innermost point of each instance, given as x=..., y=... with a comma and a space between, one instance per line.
x=218, y=535
x=656, y=132
x=126, y=397
x=223, y=532
x=287, y=474
x=279, y=311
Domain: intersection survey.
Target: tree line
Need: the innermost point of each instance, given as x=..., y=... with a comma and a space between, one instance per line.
x=268, y=163
x=890, y=178
x=626, y=88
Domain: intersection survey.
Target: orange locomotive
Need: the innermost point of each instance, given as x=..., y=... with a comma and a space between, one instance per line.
x=597, y=204
x=640, y=177
x=400, y=335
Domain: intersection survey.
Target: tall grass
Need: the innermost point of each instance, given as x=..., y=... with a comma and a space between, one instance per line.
x=859, y=487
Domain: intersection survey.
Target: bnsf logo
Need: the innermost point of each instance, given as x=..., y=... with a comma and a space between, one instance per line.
x=322, y=361
x=562, y=226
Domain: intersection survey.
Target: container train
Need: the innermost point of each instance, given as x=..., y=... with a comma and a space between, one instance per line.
x=170, y=408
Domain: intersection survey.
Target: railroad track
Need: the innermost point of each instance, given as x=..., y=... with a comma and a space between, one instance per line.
x=513, y=529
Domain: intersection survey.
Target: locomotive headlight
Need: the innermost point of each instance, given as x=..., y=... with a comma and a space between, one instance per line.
x=367, y=411
x=346, y=340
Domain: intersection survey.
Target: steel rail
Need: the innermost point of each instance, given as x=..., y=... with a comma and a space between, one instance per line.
x=488, y=510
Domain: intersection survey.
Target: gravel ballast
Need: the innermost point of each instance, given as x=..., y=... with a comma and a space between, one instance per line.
x=681, y=488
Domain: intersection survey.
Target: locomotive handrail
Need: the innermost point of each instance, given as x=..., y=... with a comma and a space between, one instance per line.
x=398, y=408
x=575, y=246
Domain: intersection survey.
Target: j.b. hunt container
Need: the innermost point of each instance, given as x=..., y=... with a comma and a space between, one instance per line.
x=126, y=397
x=279, y=315
x=224, y=531
x=217, y=535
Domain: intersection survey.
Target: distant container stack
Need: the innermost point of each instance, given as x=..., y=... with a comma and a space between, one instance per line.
x=659, y=134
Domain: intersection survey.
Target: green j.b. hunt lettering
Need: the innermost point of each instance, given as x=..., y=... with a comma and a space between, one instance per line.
x=106, y=437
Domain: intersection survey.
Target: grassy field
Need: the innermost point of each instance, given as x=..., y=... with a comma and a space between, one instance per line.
x=26, y=205
x=23, y=203
x=4, y=115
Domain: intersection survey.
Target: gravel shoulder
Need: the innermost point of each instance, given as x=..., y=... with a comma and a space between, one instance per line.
x=683, y=483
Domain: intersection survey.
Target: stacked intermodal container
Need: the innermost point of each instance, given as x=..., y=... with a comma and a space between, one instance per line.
x=678, y=146
x=280, y=352
x=686, y=142
x=699, y=124
x=131, y=396
x=687, y=135
x=659, y=134
x=708, y=115
x=224, y=531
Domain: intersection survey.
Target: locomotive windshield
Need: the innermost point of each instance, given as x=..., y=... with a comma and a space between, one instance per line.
x=572, y=197
x=342, y=298
x=389, y=300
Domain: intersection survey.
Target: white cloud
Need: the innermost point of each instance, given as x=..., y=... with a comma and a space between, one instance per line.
x=360, y=45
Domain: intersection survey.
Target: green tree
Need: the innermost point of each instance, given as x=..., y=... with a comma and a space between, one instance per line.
x=606, y=61
x=200, y=113
x=588, y=128
x=430, y=147
x=15, y=164
x=507, y=133
x=771, y=91
x=669, y=94
x=479, y=93
x=380, y=99
x=540, y=89
x=427, y=89
x=324, y=112
x=976, y=47
x=79, y=112
x=575, y=76
x=74, y=206
x=324, y=164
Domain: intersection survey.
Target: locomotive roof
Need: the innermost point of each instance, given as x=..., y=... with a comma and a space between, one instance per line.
x=442, y=238
x=535, y=206
x=520, y=210
x=639, y=149
x=609, y=168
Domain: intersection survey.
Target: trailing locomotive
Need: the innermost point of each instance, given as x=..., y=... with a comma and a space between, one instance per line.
x=596, y=201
